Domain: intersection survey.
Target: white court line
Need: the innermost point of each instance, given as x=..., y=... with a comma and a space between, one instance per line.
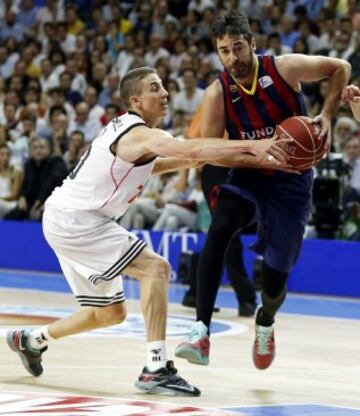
x=217, y=369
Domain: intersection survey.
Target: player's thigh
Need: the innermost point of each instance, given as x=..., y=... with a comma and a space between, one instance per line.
x=148, y=264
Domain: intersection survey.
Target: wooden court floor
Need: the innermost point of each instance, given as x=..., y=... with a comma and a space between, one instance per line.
x=316, y=370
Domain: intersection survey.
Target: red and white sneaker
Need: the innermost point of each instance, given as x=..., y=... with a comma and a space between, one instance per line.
x=196, y=346
x=264, y=345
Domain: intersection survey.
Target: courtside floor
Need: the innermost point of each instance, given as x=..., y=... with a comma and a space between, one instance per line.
x=316, y=371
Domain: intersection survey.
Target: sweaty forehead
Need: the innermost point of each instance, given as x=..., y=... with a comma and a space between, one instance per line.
x=230, y=40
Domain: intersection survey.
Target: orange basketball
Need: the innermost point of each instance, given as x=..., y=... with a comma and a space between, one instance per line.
x=307, y=149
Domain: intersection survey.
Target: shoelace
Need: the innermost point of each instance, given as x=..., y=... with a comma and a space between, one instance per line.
x=263, y=340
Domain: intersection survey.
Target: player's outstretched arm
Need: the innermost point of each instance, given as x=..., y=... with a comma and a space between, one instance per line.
x=351, y=95
x=213, y=149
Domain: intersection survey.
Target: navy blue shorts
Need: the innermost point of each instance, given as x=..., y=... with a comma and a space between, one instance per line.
x=283, y=203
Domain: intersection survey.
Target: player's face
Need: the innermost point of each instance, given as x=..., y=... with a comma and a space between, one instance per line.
x=236, y=54
x=153, y=99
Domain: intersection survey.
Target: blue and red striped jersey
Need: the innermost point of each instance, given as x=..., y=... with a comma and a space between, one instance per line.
x=255, y=116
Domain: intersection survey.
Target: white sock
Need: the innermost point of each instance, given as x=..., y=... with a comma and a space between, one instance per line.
x=39, y=338
x=156, y=355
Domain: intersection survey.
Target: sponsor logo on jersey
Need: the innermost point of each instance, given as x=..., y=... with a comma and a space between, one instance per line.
x=265, y=81
x=264, y=133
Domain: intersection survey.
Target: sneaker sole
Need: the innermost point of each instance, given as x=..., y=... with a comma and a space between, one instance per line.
x=153, y=388
x=12, y=345
x=192, y=355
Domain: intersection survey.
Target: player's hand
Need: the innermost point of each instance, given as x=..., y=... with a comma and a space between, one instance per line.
x=273, y=154
x=271, y=149
x=325, y=125
x=351, y=93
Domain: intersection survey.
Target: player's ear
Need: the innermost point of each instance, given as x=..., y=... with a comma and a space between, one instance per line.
x=253, y=44
x=134, y=100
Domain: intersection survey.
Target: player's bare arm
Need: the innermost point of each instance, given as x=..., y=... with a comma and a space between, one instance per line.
x=296, y=68
x=213, y=113
x=351, y=95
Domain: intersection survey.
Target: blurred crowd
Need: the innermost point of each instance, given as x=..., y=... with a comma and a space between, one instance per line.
x=61, y=63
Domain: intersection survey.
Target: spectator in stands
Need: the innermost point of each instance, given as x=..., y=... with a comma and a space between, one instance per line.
x=58, y=59
x=59, y=138
x=57, y=98
x=112, y=83
x=42, y=174
x=352, y=157
x=191, y=96
x=74, y=24
x=342, y=48
x=72, y=96
x=288, y=34
x=46, y=127
x=10, y=117
x=84, y=123
x=99, y=44
x=26, y=17
x=52, y=12
x=10, y=181
x=180, y=47
x=275, y=47
x=66, y=40
x=344, y=129
x=9, y=27
x=6, y=64
x=75, y=150
x=144, y=21
x=182, y=213
x=98, y=76
x=155, y=51
x=48, y=79
x=161, y=18
x=91, y=98
x=126, y=56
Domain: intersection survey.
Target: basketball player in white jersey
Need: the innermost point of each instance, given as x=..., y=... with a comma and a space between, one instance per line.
x=351, y=95
x=93, y=250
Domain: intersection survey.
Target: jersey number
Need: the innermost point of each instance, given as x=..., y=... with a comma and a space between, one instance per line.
x=75, y=171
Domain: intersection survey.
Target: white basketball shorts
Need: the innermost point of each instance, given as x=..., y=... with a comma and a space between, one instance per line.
x=92, y=251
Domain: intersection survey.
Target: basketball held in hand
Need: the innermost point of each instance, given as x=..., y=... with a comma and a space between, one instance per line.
x=307, y=149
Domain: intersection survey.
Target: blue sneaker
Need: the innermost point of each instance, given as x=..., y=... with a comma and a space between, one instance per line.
x=196, y=346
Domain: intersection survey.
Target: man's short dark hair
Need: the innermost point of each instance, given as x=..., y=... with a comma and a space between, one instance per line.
x=131, y=83
x=231, y=22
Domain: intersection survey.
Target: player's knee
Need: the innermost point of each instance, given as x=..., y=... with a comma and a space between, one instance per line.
x=161, y=268
x=110, y=315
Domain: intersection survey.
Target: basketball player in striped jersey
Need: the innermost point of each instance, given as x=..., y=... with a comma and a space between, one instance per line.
x=351, y=95
x=251, y=96
x=79, y=223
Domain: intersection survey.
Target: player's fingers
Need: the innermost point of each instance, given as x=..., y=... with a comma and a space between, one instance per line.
x=279, y=153
x=316, y=120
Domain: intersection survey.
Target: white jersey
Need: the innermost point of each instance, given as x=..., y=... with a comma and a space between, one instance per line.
x=102, y=182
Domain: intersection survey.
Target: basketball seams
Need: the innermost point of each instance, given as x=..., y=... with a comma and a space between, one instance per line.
x=303, y=153
x=292, y=137
x=315, y=149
